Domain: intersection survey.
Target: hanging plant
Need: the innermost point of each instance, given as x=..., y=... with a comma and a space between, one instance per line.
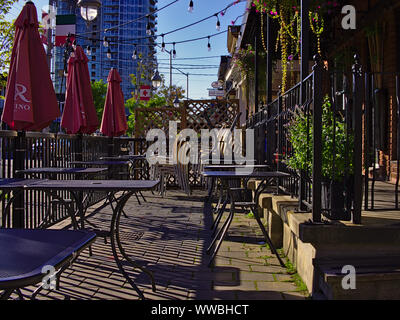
x=317, y=27
x=244, y=61
x=287, y=13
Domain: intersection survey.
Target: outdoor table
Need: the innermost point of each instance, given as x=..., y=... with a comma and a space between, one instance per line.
x=111, y=187
x=100, y=163
x=229, y=167
x=52, y=172
x=132, y=158
x=25, y=252
x=266, y=177
x=112, y=165
x=128, y=157
x=11, y=185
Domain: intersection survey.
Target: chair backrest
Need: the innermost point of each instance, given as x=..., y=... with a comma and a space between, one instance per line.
x=181, y=154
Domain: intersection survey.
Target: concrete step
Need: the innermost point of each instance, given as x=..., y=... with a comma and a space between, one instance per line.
x=376, y=278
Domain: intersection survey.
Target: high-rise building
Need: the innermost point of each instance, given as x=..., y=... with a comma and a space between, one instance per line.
x=124, y=24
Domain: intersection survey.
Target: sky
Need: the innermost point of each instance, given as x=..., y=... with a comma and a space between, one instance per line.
x=191, y=57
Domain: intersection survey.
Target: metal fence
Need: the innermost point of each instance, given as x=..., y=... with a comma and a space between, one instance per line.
x=326, y=134
x=19, y=150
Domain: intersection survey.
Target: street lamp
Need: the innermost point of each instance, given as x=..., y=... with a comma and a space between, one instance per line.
x=89, y=9
x=156, y=80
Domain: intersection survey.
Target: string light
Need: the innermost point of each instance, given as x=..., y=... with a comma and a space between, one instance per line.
x=134, y=55
x=162, y=44
x=105, y=42
x=109, y=53
x=190, y=6
x=209, y=45
x=218, y=26
x=88, y=51
x=148, y=28
x=173, y=51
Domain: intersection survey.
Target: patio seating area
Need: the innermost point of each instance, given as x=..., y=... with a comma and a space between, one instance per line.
x=169, y=236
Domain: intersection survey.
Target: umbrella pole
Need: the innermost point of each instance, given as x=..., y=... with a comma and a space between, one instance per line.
x=110, y=152
x=19, y=164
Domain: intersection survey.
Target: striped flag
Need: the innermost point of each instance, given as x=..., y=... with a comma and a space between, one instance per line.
x=145, y=92
x=65, y=24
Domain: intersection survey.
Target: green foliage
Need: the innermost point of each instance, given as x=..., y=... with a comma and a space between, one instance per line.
x=6, y=40
x=300, y=137
x=99, y=92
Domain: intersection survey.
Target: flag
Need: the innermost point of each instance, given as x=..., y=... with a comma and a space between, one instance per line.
x=65, y=24
x=145, y=93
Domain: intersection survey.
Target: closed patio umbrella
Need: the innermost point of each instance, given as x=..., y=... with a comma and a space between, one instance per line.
x=79, y=114
x=113, y=123
x=30, y=101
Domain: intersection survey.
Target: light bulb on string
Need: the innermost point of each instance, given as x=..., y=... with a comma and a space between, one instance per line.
x=88, y=51
x=134, y=55
x=190, y=6
x=162, y=44
x=173, y=51
x=209, y=44
x=218, y=26
x=105, y=42
x=148, y=28
x=109, y=53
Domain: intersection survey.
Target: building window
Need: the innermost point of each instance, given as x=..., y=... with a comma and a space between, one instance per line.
x=93, y=74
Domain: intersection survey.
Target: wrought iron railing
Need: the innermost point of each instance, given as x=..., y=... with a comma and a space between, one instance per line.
x=272, y=141
x=29, y=150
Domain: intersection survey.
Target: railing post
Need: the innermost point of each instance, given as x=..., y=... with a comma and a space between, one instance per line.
x=304, y=70
x=357, y=129
x=279, y=142
x=19, y=164
x=367, y=140
x=398, y=142
x=317, y=139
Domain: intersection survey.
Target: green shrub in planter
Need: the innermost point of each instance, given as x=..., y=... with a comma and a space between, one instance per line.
x=300, y=135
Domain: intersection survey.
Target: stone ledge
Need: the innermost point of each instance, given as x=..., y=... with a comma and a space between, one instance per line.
x=376, y=278
x=339, y=233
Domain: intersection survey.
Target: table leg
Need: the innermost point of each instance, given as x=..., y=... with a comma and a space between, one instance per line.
x=116, y=243
x=221, y=234
x=261, y=187
x=210, y=189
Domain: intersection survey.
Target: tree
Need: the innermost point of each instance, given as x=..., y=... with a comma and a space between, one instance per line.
x=6, y=40
x=99, y=92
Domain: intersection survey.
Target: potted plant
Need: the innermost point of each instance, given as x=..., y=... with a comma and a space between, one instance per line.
x=337, y=156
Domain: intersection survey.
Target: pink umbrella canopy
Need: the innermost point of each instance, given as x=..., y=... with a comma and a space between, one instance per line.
x=30, y=102
x=79, y=114
x=113, y=123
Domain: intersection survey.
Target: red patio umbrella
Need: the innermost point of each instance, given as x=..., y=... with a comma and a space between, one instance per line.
x=30, y=102
x=79, y=114
x=113, y=123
